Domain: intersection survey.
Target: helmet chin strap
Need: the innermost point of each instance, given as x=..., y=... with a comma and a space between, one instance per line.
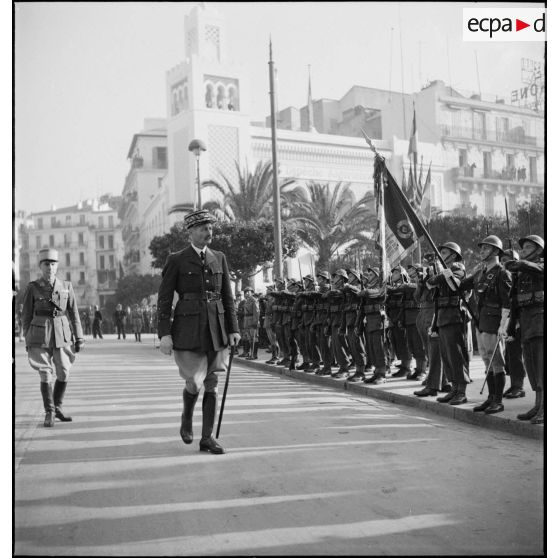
x=531, y=254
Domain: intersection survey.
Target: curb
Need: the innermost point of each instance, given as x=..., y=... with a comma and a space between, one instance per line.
x=493, y=422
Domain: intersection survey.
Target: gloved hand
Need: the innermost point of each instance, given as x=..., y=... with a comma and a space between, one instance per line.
x=450, y=279
x=78, y=345
x=166, y=344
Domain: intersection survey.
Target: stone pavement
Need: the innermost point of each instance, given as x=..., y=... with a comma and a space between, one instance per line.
x=400, y=391
x=310, y=469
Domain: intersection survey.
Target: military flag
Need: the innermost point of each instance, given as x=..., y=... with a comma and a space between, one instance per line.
x=395, y=235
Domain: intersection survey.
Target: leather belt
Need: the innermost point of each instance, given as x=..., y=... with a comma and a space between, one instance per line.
x=209, y=295
x=427, y=305
x=50, y=313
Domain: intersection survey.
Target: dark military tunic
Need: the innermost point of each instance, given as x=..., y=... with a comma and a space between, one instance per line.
x=371, y=317
x=204, y=314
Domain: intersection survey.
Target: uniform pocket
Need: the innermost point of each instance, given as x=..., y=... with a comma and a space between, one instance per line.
x=36, y=335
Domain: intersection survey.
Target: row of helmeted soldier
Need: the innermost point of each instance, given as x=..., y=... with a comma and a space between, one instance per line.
x=351, y=326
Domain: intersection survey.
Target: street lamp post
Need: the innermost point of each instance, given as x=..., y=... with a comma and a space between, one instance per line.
x=196, y=147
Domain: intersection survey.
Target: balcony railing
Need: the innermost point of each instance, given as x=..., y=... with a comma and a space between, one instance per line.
x=506, y=175
x=516, y=136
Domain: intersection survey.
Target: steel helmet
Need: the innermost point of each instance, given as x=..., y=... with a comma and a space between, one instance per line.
x=309, y=278
x=325, y=275
x=341, y=273
x=493, y=240
x=453, y=247
x=356, y=273
x=534, y=238
x=374, y=270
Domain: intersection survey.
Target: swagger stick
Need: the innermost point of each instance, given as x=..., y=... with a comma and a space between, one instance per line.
x=225, y=392
x=490, y=364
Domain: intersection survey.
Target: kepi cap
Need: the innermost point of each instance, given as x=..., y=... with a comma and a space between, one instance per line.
x=197, y=218
x=48, y=254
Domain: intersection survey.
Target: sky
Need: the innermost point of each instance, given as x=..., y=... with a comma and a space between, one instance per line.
x=87, y=74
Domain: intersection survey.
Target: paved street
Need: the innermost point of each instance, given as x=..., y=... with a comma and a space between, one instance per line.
x=309, y=469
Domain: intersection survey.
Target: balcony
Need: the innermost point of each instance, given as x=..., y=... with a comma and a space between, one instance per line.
x=516, y=136
x=471, y=175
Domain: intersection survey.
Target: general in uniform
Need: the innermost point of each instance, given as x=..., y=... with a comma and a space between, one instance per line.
x=51, y=324
x=204, y=322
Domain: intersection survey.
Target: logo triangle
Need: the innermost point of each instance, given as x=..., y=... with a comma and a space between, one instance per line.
x=519, y=25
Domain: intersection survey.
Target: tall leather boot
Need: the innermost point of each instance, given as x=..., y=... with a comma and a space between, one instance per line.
x=490, y=383
x=532, y=412
x=539, y=417
x=209, y=407
x=254, y=355
x=58, y=396
x=186, y=430
x=496, y=405
x=48, y=402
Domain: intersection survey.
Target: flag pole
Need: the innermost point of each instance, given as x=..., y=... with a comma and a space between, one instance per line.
x=416, y=222
x=278, y=264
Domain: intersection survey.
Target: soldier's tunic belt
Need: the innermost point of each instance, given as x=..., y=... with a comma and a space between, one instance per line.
x=208, y=296
x=426, y=305
x=448, y=301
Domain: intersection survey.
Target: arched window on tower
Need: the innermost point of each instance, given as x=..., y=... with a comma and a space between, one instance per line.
x=233, y=100
x=221, y=97
x=209, y=102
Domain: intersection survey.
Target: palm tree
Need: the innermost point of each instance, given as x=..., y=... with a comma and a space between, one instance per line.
x=329, y=219
x=250, y=199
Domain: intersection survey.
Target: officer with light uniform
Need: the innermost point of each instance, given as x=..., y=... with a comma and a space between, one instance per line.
x=528, y=308
x=492, y=285
x=50, y=319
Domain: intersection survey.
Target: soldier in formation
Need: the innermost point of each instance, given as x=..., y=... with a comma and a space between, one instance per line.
x=320, y=323
x=527, y=309
x=251, y=323
x=491, y=285
x=450, y=322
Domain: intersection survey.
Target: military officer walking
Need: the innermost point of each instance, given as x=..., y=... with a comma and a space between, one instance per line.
x=50, y=320
x=204, y=323
x=528, y=308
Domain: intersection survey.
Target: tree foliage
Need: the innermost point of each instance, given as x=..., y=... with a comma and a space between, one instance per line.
x=250, y=198
x=247, y=246
x=469, y=231
x=132, y=289
x=331, y=219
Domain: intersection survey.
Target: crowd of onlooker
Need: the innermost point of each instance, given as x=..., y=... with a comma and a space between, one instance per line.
x=135, y=319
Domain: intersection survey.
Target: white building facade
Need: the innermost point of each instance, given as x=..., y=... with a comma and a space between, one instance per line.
x=475, y=147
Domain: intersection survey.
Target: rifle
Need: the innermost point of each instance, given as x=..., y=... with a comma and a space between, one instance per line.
x=510, y=242
x=299, y=271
